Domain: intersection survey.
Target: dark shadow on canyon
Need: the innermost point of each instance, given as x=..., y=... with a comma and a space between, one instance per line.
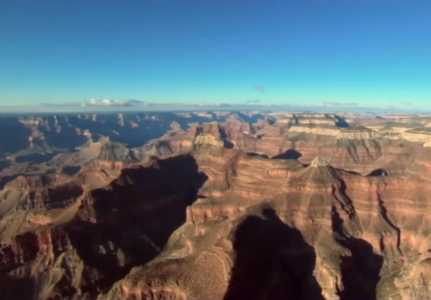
x=257, y=155
x=136, y=215
x=14, y=289
x=227, y=144
x=71, y=170
x=289, y=154
x=4, y=164
x=341, y=122
x=273, y=261
x=378, y=173
x=35, y=158
x=12, y=286
x=6, y=179
x=360, y=272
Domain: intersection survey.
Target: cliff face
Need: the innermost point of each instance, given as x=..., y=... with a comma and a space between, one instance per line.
x=275, y=228
x=68, y=244
x=356, y=148
x=232, y=210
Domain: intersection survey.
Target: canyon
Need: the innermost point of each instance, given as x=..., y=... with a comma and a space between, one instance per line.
x=215, y=206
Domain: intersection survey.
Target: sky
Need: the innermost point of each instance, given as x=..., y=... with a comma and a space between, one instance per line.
x=374, y=53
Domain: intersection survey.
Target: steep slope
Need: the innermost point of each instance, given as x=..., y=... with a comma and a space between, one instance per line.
x=110, y=230
x=272, y=228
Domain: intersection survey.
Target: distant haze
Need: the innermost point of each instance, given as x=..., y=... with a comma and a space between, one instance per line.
x=169, y=107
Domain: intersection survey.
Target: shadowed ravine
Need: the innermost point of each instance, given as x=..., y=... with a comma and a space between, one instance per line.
x=289, y=154
x=360, y=272
x=273, y=261
x=135, y=216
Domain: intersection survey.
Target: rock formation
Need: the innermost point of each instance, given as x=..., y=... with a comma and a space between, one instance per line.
x=285, y=207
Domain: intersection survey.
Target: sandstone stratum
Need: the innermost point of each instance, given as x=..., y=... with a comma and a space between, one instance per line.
x=215, y=206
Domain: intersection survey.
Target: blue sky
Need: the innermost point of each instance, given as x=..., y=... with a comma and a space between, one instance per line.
x=308, y=52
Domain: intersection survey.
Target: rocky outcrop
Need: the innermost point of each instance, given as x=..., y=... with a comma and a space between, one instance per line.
x=418, y=136
x=356, y=148
x=28, y=203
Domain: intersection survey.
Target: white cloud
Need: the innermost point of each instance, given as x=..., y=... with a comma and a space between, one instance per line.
x=105, y=102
